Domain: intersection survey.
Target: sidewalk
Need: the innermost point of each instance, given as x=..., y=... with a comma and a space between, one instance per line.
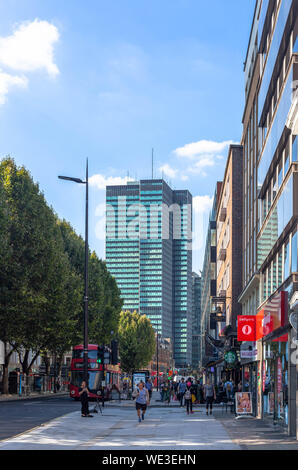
x=33, y=395
x=254, y=434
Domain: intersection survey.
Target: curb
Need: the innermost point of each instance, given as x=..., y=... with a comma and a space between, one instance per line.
x=32, y=397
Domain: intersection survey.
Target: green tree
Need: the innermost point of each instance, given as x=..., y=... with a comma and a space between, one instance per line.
x=105, y=301
x=136, y=341
x=37, y=275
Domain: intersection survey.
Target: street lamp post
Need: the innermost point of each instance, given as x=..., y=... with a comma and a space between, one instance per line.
x=78, y=180
x=157, y=364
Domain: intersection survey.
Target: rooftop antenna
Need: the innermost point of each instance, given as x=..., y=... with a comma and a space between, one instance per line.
x=152, y=162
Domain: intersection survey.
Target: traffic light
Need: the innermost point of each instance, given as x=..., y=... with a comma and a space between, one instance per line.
x=100, y=355
x=107, y=354
x=114, y=347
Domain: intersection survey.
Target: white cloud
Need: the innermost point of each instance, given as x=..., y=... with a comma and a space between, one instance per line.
x=100, y=181
x=202, y=204
x=168, y=170
x=30, y=47
x=8, y=81
x=201, y=148
x=199, y=167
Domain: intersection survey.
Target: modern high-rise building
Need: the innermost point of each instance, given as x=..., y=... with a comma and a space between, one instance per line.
x=149, y=252
x=270, y=208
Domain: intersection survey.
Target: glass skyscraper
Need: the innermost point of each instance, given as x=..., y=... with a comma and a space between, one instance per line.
x=148, y=251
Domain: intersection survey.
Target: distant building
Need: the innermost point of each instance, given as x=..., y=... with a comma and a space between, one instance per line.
x=149, y=252
x=209, y=354
x=229, y=255
x=196, y=320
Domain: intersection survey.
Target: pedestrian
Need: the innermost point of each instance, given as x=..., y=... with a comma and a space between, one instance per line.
x=149, y=387
x=209, y=395
x=84, y=394
x=167, y=393
x=142, y=400
x=229, y=390
x=188, y=399
x=181, y=390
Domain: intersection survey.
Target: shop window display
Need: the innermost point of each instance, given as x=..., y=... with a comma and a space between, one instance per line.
x=275, y=388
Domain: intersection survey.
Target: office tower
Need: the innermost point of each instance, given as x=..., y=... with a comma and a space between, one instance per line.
x=148, y=251
x=196, y=320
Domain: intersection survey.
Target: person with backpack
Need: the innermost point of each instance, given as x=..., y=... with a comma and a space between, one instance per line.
x=188, y=399
x=229, y=390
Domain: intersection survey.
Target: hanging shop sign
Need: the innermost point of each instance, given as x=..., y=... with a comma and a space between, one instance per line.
x=230, y=357
x=246, y=330
x=247, y=354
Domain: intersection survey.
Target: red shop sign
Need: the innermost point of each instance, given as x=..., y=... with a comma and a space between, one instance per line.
x=246, y=328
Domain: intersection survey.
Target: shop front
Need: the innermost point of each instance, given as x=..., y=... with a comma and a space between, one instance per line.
x=250, y=370
x=275, y=381
x=273, y=332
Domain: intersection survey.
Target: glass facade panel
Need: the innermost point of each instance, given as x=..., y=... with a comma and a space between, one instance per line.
x=280, y=268
x=276, y=131
x=273, y=52
x=294, y=149
x=294, y=267
x=280, y=216
x=287, y=260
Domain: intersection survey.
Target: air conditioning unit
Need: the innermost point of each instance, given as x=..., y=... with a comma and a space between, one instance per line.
x=223, y=214
x=222, y=254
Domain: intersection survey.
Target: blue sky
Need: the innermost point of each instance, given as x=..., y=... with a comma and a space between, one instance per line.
x=111, y=80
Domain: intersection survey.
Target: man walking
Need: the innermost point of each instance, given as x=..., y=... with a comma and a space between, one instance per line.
x=149, y=387
x=181, y=390
x=209, y=395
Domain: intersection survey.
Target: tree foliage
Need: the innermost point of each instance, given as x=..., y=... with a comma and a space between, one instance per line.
x=136, y=341
x=42, y=275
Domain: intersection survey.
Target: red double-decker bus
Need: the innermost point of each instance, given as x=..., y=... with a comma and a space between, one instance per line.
x=102, y=378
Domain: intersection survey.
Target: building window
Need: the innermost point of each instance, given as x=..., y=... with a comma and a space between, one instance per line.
x=287, y=260
x=280, y=268
x=294, y=149
x=274, y=284
x=264, y=286
x=269, y=282
x=294, y=268
x=280, y=174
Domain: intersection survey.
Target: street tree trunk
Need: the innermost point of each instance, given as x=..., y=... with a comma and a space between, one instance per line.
x=8, y=350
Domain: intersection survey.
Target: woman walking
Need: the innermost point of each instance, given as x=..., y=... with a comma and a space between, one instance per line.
x=142, y=400
x=209, y=395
